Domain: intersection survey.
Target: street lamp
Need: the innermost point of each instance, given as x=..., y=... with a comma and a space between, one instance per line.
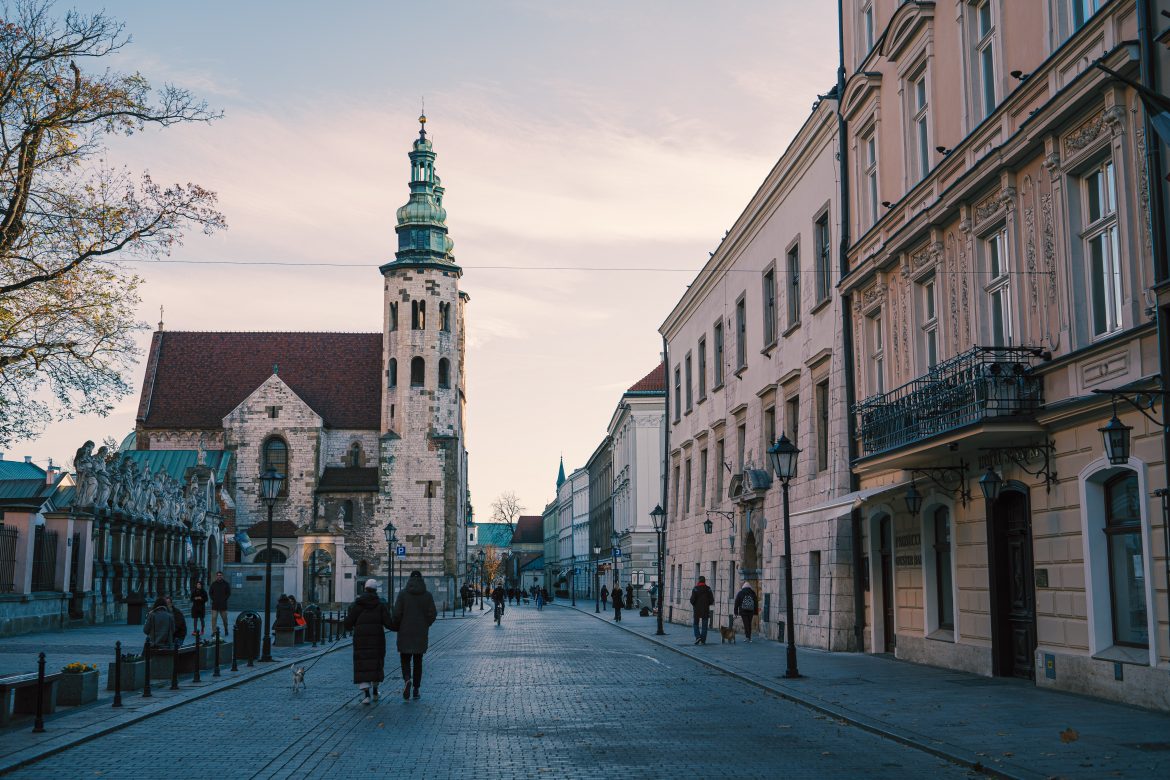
x=991, y=484
x=596, y=580
x=479, y=557
x=615, y=543
x=270, y=483
x=391, y=541
x=913, y=500
x=784, y=458
x=658, y=518
x=1116, y=435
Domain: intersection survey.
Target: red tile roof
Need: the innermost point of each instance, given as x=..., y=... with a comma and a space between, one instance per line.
x=529, y=530
x=194, y=379
x=654, y=382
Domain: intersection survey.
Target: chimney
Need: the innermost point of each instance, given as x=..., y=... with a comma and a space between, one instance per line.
x=28, y=458
x=1, y=456
x=50, y=472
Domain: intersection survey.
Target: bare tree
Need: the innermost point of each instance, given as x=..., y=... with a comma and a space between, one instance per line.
x=493, y=563
x=507, y=509
x=67, y=309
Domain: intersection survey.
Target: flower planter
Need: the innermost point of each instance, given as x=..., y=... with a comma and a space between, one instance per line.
x=77, y=688
x=133, y=676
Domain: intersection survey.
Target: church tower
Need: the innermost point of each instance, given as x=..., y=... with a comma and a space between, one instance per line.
x=423, y=457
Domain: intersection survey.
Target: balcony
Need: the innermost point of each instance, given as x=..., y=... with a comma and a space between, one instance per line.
x=981, y=384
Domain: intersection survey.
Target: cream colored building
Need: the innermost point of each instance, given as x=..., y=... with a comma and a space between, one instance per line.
x=999, y=269
x=755, y=348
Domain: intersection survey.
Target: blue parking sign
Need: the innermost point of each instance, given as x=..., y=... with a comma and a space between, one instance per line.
x=401, y=551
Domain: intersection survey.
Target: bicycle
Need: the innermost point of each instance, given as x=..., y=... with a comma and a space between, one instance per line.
x=498, y=612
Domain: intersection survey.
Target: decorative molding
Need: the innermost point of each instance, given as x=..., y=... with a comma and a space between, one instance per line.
x=872, y=298
x=1049, y=243
x=1030, y=253
x=925, y=259
x=989, y=207
x=1144, y=191
x=1114, y=116
x=1086, y=134
x=1052, y=164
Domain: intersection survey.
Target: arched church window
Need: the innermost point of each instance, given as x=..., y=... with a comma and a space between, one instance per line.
x=444, y=373
x=275, y=454
x=445, y=317
x=392, y=373
x=355, y=455
x=418, y=315
x=393, y=315
x=418, y=372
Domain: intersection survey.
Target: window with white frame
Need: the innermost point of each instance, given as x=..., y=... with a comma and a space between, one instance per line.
x=866, y=27
x=877, y=355
x=1083, y=10
x=1127, y=584
x=869, y=176
x=920, y=123
x=998, y=289
x=928, y=306
x=983, y=57
x=944, y=593
x=1101, y=248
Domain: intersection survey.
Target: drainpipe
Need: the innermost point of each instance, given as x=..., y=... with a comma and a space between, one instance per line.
x=1157, y=212
x=665, y=464
x=847, y=340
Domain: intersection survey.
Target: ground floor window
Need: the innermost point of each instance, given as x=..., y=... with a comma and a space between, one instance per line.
x=1127, y=584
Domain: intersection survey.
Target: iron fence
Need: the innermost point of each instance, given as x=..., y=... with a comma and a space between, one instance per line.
x=979, y=384
x=44, y=559
x=8, y=540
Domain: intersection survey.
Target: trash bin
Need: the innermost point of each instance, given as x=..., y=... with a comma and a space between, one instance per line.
x=312, y=615
x=248, y=635
x=135, y=603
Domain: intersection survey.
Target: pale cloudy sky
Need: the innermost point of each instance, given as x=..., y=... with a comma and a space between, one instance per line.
x=599, y=133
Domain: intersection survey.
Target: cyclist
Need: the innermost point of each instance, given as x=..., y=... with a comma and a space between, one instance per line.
x=498, y=596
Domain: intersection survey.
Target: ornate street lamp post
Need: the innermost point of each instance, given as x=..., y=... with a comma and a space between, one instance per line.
x=596, y=580
x=615, y=542
x=658, y=518
x=479, y=557
x=784, y=457
x=391, y=540
x=270, y=483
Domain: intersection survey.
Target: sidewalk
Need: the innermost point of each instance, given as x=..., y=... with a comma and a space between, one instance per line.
x=1006, y=727
x=70, y=726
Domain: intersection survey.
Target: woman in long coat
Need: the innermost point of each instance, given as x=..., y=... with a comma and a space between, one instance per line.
x=367, y=619
x=414, y=612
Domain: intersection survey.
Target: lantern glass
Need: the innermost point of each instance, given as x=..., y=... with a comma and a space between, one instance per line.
x=389, y=531
x=913, y=499
x=784, y=456
x=658, y=517
x=991, y=483
x=708, y=526
x=1116, y=436
x=480, y=556
x=270, y=484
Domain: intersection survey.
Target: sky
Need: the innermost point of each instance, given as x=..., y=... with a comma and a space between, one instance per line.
x=605, y=134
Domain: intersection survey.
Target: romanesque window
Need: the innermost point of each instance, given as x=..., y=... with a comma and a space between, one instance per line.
x=418, y=315
x=354, y=458
x=392, y=373
x=418, y=372
x=347, y=514
x=393, y=315
x=444, y=373
x=275, y=454
x=445, y=317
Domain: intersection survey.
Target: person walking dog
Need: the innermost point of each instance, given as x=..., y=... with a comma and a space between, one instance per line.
x=414, y=612
x=746, y=606
x=702, y=600
x=367, y=618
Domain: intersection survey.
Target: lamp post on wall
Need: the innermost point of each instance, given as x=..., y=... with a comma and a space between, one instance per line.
x=615, y=543
x=784, y=458
x=596, y=580
x=391, y=540
x=479, y=557
x=270, y=484
x=658, y=518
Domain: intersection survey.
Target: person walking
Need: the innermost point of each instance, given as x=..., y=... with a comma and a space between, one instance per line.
x=630, y=596
x=414, y=612
x=746, y=604
x=198, y=606
x=160, y=626
x=604, y=594
x=539, y=598
x=367, y=618
x=702, y=600
x=180, y=622
x=617, y=604
x=221, y=591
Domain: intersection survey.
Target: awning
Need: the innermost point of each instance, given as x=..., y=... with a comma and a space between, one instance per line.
x=842, y=505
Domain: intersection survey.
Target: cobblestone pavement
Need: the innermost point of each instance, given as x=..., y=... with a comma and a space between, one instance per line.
x=552, y=693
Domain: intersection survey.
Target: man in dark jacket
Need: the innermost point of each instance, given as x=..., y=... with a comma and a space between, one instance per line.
x=368, y=618
x=617, y=604
x=702, y=600
x=629, y=596
x=746, y=606
x=221, y=591
x=284, y=612
x=180, y=622
x=160, y=626
x=604, y=594
x=414, y=612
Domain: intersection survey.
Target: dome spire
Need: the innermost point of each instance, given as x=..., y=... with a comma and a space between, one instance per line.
x=422, y=221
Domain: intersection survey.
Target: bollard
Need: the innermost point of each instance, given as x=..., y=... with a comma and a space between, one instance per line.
x=235, y=665
x=39, y=725
x=198, y=660
x=216, y=672
x=329, y=621
x=146, y=694
x=117, y=674
x=174, y=667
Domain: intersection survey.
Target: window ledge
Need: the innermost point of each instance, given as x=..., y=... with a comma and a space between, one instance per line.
x=942, y=635
x=717, y=388
x=739, y=371
x=791, y=329
x=702, y=398
x=1139, y=656
x=767, y=350
x=820, y=305
x=687, y=413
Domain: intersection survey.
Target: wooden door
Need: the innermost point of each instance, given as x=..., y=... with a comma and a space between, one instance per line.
x=885, y=530
x=1014, y=597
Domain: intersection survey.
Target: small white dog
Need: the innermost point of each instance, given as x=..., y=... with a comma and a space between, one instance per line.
x=298, y=674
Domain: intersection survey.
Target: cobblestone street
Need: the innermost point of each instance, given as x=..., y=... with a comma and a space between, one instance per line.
x=553, y=692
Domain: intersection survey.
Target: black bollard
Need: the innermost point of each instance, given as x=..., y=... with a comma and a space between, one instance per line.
x=146, y=694
x=329, y=622
x=198, y=660
x=235, y=644
x=117, y=674
x=175, y=667
x=216, y=672
x=39, y=725
x=313, y=624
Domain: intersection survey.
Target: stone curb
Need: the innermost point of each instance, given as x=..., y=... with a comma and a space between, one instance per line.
x=880, y=728
x=39, y=753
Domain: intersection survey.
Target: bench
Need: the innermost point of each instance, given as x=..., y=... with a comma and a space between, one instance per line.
x=18, y=695
x=289, y=636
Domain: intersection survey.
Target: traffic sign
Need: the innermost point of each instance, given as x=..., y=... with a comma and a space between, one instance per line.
x=617, y=552
x=401, y=551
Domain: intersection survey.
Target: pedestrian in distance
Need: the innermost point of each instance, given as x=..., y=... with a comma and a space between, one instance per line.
x=198, y=606
x=285, y=611
x=180, y=622
x=160, y=626
x=629, y=596
x=746, y=605
x=414, y=612
x=617, y=604
x=702, y=600
x=604, y=594
x=539, y=599
x=367, y=618
x=221, y=591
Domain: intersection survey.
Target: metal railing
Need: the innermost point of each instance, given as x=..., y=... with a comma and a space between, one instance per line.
x=979, y=384
x=44, y=559
x=8, y=540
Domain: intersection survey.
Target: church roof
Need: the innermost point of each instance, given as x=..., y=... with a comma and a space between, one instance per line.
x=348, y=479
x=653, y=383
x=498, y=534
x=194, y=379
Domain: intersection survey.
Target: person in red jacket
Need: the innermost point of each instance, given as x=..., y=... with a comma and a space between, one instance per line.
x=702, y=599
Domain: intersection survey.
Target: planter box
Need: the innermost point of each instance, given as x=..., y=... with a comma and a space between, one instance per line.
x=75, y=689
x=133, y=676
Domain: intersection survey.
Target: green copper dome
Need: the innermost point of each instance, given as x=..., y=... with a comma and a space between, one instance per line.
x=422, y=221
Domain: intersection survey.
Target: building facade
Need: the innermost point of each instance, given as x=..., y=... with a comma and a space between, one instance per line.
x=999, y=278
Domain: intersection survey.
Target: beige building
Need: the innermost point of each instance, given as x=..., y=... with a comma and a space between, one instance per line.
x=754, y=349
x=999, y=269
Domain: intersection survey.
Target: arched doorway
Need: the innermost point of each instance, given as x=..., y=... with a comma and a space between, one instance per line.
x=1013, y=591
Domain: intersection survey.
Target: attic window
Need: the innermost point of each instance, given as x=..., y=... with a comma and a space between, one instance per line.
x=272, y=411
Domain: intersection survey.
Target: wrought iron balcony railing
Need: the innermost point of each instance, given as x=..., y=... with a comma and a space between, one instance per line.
x=980, y=384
